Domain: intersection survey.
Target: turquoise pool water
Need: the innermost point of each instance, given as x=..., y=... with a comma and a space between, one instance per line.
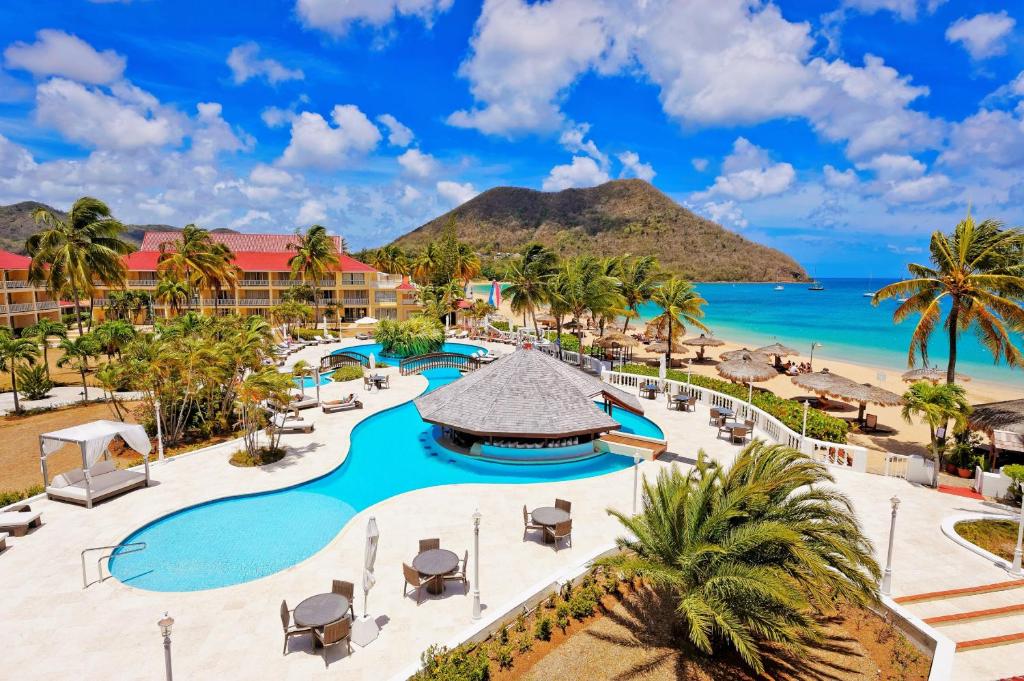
x=377, y=350
x=239, y=539
x=307, y=381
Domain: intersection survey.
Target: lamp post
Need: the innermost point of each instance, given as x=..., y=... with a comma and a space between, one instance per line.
x=159, y=432
x=165, y=629
x=811, y=362
x=476, y=564
x=689, y=367
x=887, y=575
x=636, y=478
x=1015, y=569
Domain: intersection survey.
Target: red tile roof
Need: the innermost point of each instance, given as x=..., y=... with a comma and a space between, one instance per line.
x=406, y=285
x=141, y=261
x=237, y=242
x=13, y=261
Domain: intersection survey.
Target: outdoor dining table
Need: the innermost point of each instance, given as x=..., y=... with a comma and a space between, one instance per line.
x=378, y=380
x=320, y=610
x=549, y=516
x=435, y=564
x=648, y=389
x=680, y=400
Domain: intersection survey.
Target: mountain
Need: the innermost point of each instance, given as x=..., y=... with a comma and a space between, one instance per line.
x=617, y=217
x=16, y=225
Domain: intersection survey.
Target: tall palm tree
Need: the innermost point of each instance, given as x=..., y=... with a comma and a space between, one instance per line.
x=315, y=256
x=977, y=276
x=224, y=274
x=936, y=405
x=527, y=289
x=13, y=352
x=174, y=292
x=581, y=285
x=639, y=278
x=425, y=263
x=77, y=353
x=390, y=259
x=680, y=305
x=466, y=264
x=114, y=335
x=195, y=259
x=70, y=253
x=43, y=331
x=749, y=552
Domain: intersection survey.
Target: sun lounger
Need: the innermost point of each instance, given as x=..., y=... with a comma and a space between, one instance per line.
x=341, y=405
x=295, y=426
x=105, y=481
x=3, y=541
x=362, y=336
x=300, y=402
x=19, y=519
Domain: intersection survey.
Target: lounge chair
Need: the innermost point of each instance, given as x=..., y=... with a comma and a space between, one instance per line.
x=716, y=418
x=300, y=402
x=291, y=426
x=412, y=578
x=104, y=480
x=870, y=422
x=333, y=634
x=528, y=523
x=563, y=505
x=428, y=544
x=462, y=334
x=460, y=574
x=348, y=590
x=362, y=336
x=290, y=629
x=559, y=532
x=332, y=406
x=368, y=383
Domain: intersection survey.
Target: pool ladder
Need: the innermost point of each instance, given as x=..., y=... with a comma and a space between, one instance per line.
x=132, y=547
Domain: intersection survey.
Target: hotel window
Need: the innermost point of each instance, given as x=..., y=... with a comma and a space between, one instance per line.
x=387, y=297
x=387, y=313
x=353, y=278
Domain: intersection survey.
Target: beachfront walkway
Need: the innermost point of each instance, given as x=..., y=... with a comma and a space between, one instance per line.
x=57, y=630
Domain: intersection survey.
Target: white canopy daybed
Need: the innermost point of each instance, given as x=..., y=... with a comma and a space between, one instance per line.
x=98, y=478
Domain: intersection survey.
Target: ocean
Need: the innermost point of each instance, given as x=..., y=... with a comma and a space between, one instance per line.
x=841, y=318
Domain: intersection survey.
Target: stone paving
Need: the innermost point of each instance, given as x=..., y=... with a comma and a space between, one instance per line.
x=54, y=629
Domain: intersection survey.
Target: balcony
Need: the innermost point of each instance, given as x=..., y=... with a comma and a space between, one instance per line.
x=16, y=308
x=17, y=283
x=218, y=302
x=347, y=280
x=3, y=309
x=287, y=282
x=386, y=298
x=254, y=302
x=261, y=283
x=47, y=305
x=141, y=283
x=351, y=302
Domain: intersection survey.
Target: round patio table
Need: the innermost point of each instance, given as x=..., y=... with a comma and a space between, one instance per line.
x=435, y=564
x=549, y=516
x=320, y=610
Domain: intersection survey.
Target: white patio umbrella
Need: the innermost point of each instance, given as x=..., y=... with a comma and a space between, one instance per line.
x=373, y=361
x=366, y=320
x=325, y=323
x=365, y=629
x=662, y=370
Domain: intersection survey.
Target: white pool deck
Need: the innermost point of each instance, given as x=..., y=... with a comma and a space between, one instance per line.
x=53, y=628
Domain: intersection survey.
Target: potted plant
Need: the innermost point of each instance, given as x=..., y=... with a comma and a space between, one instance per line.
x=962, y=456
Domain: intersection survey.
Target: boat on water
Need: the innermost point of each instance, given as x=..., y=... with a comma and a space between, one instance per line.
x=869, y=294
x=816, y=286
x=780, y=287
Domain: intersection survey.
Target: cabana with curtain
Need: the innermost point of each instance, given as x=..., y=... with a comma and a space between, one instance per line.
x=98, y=478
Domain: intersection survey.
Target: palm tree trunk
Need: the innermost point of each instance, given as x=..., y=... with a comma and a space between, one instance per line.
x=85, y=386
x=78, y=310
x=558, y=335
x=626, y=325
x=954, y=319
x=536, y=329
x=937, y=455
x=668, y=353
x=46, y=357
x=14, y=389
x=90, y=312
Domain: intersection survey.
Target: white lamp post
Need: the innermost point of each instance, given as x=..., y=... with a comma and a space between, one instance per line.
x=811, y=362
x=688, y=369
x=887, y=575
x=165, y=629
x=159, y=432
x=476, y=564
x=1015, y=569
x=636, y=478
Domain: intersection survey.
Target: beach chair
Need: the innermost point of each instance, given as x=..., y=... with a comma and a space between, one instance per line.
x=332, y=406
x=412, y=578
x=528, y=523
x=559, y=532
x=291, y=426
x=290, y=628
x=334, y=634
x=18, y=520
x=870, y=422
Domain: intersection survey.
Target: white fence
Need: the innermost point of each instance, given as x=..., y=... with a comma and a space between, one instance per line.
x=837, y=454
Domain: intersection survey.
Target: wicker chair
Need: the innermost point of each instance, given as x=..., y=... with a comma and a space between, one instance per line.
x=412, y=578
x=290, y=629
x=560, y=531
x=333, y=634
x=528, y=523
x=348, y=590
x=460, y=574
x=563, y=505
x=715, y=418
x=428, y=544
x=739, y=433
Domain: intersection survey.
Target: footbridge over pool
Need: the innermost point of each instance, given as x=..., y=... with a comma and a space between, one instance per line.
x=438, y=360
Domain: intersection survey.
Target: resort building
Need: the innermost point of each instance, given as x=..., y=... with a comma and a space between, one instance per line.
x=353, y=291
x=23, y=303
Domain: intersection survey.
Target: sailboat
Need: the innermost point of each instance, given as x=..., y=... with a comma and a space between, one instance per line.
x=871, y=282
x=816, y=286
x=779, y=287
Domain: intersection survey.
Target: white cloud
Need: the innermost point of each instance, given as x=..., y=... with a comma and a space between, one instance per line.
x=311, y=212
x=249, y=218
x=410, y=195
x=15, y=160
x=840, y=179
x=127, y=118
x=269, y=175
x=213, y=135
x=632, y=166
x=246, y=63
x=573, y=139
x=56, y=53
x=725, y=213
x=983, y=35
x=904, y=9
x=418, y=164
x=987, y=138
x=916, y=190
x=276, y=117
x=748, y=173
x=398, y=134
x=456, y=193
x=582, y=172
x=316, y=143
x=894, y=166
x=335, y=16
x=699, y=164
x=12, y=89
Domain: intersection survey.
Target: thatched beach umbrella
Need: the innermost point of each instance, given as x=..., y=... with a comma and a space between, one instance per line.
x=1006, y=416
x=745, y=352
x=827, y=384
x=747, y=368
x=932, y=375
x=702, y=342
x=616, y=339
x=778, y=350
x=661, y=347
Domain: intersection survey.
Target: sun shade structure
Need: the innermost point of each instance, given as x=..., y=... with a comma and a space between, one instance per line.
x=94, y=479
x=827, y=384
x=1003, y=422
x=703, y=342
x=661, y=347
x=747, y=368
x=526, y=394
x=745, y=352
x=366, y=320
x=616, y=340
x=932, y=375
x=778, y=351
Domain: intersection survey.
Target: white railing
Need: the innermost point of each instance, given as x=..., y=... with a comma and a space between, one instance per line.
x=17, y=283
x=837, y=454
x=287, y=282
x=349, y=281
x=141, y=282
x=21, y=307
x=263, y=283
x=254, y=302
x=218, y=302
x=355, y=301
x=47, y=305
x=385, y=298
x=3, y=309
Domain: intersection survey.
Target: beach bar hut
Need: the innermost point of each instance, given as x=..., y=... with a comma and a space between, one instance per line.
x=98, y=478
x=826, y=384
x=1003, y=422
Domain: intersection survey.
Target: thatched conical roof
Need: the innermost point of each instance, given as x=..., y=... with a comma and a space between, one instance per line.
x=932, y=375
x=777, y=349
x=1005, y=415
x=616, y=339
x=745, y=352
x=833, y=385
x=747, y=368
x=703, y=341
x=661, y=347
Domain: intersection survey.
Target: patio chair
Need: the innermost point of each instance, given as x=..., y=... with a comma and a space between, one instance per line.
x=367, y=383
x=559, y=532
x=870, y=422
x=333, y=634
x=428, y=544
x=290, y=628
x=528, y=523
x=563, y=505
x=412, y=578
x=18, y=520
x=715, y=418
x=3, y=541
x=285, y=426
x=384, y=382
x=346, y=589
x=739, y=433
x=749, y=423
x=350, y=402
x=459, y=575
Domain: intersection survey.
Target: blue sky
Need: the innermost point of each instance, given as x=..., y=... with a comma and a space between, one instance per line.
x=842, y=131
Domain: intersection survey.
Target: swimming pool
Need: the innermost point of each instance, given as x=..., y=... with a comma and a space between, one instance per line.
x=239, y=539
x=307, y=381
x=377, y=350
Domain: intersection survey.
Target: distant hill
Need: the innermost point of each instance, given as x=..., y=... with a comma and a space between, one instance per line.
x=621, y=216
x=16, y=225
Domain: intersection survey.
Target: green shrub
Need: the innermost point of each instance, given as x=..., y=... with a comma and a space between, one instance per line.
x=520, y=623
x=503, y=656
x=459, y=664
x=542, y=628
x=300, y=333
x=33, y=382
x=1015, y=471
x=500, y=326
x=525, y=644
x=570, y=342
x=503, y=636
x=820, y=426
x=349, y=372
x=243, y=459
x=582, y=604
x=410, y=337
x=562, y=616
x=13, y=496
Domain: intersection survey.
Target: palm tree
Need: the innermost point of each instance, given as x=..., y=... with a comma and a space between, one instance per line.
x=465, y=265
x=976, y=275
x=113, y=335
x=426, y=263
x=639, y=278
x=43, y=331
x=527, y=289
x=174, y=292
x=14, y=351
x=110, y=376
x=749, y=553
x=315, y=256
x=389, y=259
x=196, y=260
x=69, y=253
x=225, y=274
x=936, y=405
x=77, y=353
x=582, y=286
x=680, y=305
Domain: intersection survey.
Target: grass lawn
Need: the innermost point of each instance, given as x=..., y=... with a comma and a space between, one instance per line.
x=995, y=536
